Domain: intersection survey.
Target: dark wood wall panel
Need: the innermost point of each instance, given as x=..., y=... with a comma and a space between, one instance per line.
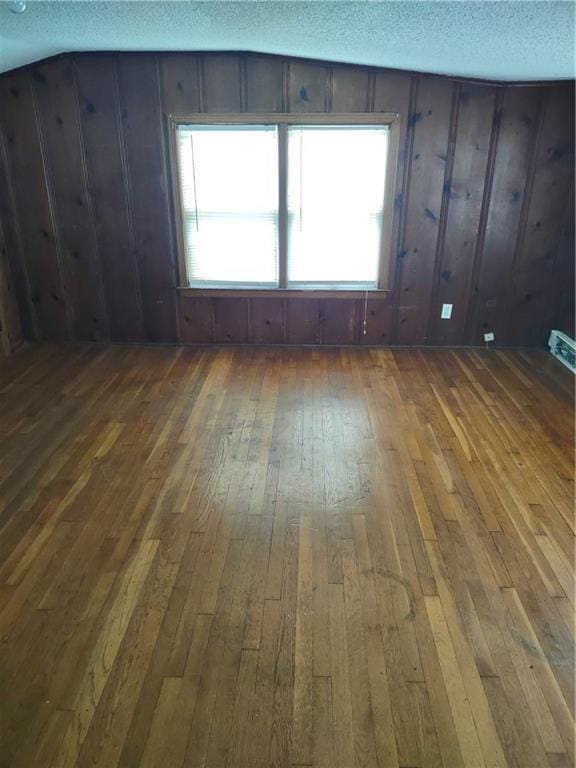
x=99, y=112
x=148, y=186
x=264, y=85
x=379, y=316
x=303, y=318
x=431, y=122
x=309, y=88
x=482, y=202
x=10, y=327
x=564, y=303
x=509, y=186
x=221, y=84
x=339, y=321
x=180, y=77
x=196, y=320
x=56, y=95
x=267, y=321
x=32, y=205
x=231, y=321
x=463, y=198
x=396, y=92
x=351, y=90
x=532, y=307
x=13, y=252
x=392, y=94
x=252, y=320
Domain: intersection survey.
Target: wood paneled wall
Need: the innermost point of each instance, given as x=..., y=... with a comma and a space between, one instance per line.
x=483, y=204
x=10, y=328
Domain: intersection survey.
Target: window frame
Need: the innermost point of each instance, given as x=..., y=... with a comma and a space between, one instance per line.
x=282, y=121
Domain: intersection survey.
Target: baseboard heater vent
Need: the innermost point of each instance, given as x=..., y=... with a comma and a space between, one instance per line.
x=564, y=348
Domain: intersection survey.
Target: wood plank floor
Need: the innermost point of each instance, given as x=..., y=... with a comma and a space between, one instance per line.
x=280, y=557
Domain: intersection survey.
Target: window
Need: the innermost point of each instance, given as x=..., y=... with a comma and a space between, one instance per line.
x=335, y=205
x=299, y=203
x=229, y=193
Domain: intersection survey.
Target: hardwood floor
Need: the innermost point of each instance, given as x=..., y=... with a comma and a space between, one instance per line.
x=285, y=557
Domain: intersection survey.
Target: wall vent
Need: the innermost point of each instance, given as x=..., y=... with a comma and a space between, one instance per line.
x=564, y=348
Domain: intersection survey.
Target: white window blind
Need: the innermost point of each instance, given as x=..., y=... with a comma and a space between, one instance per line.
x=335, y=204
x=229, y=193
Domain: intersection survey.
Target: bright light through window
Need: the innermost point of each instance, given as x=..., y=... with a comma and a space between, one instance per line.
x=288, y=205
x=229, y=193
x=335, y=204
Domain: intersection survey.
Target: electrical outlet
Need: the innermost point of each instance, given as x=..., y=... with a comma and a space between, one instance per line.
x=488, y=337
x=446, y=313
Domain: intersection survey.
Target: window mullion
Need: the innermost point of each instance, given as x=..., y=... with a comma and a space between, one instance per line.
x=282, y=206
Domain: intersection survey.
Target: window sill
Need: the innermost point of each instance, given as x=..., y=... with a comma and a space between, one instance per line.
x=280, y=293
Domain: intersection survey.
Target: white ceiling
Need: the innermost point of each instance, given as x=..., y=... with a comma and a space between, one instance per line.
x=517, y=40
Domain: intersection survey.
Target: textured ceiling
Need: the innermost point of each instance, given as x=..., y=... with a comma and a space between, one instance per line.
x=519, y=40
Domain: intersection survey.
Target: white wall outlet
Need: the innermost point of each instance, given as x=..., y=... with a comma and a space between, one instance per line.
x=446, y=313
x=488, y=337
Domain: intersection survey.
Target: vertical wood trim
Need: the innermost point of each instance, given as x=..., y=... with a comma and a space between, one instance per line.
x=172, y=129
x=450, y=153
x=284, y=322
x=282, y=206
x=286, y=76
x=249, y=320
x=358, y=320
x=484, y=210
x=120, y=109
x=284, y=106
x=406, y=174
x=390, y=176
x=89, y=201
x=328, y=89
x=200, y=83
x=51, y=206
x=213, y=320
x=242, y=72
x=371, y=95
x=21, y=255
x=167, y=187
